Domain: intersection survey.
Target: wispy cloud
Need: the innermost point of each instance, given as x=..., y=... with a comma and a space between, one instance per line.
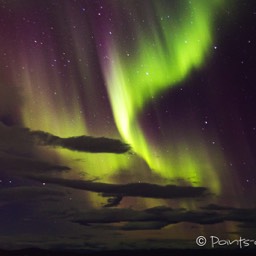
x=20, y=165
x=31, y=193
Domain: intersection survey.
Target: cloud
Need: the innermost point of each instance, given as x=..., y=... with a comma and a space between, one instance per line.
x=143, y=225
x=159, y=217
x=21, y=165
x=16, y=140
x=113, y=201
x=24, y=193
x=217, y=207
x=234, y=214
x=132, y=189
x=248, y=225
x=19, y=139
x=18, y=146
x=10, y=102
x=110, y=215
x=17, y=152
x=82, y=143
x=164, y=246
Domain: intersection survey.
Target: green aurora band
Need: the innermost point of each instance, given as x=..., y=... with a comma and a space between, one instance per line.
x=164, y=54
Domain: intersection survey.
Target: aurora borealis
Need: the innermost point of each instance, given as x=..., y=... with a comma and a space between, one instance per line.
x=161, y=58
x=128, y=124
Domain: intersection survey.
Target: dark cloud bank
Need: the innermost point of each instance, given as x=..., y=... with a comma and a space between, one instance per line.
x=152, y=218
x=82, y=143
x=18, y=145
x=159, y=217
x=18, y=165
x=25, y=193
x=23, y=138
x=132, y=189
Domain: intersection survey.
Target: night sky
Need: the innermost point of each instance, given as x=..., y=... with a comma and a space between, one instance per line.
x=126, y=124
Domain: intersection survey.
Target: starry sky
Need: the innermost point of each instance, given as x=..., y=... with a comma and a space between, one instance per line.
x=126, y=124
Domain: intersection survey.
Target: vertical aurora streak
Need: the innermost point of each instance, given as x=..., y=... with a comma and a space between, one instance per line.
x=168, y=48
x=59, y=96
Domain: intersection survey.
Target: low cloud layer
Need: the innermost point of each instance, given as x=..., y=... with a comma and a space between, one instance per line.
x=133, y=189
x=159, y=217
x=24, y=193
x=20, y=165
